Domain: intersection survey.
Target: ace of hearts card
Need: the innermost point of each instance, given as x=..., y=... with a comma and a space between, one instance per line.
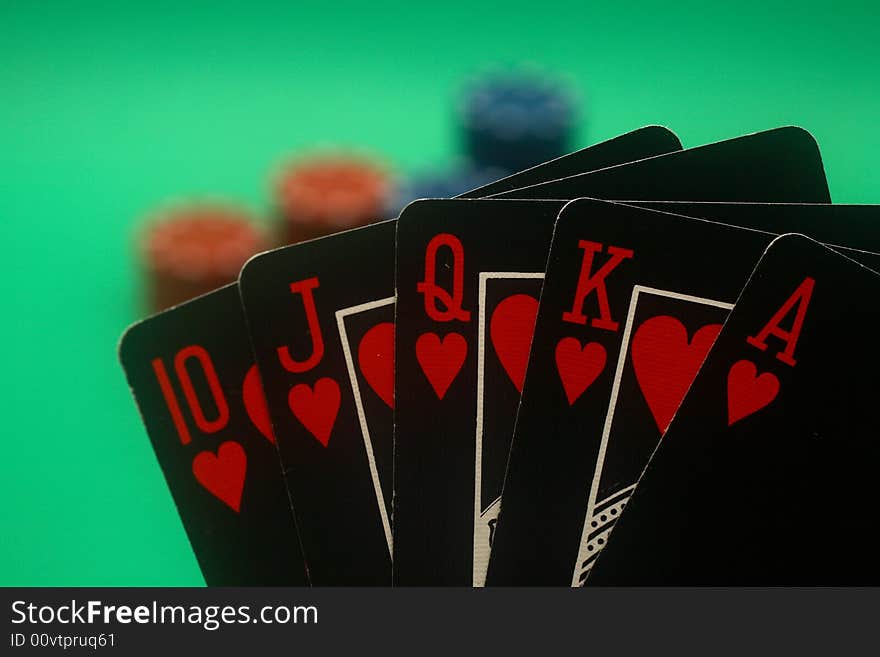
x=766, y=475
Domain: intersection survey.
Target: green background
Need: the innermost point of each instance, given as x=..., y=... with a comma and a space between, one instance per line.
x=108, y=111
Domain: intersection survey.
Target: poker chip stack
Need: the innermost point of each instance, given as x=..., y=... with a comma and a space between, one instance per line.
x=516, y=120
x=192, y=249
x=323, y=194
x=508, y=121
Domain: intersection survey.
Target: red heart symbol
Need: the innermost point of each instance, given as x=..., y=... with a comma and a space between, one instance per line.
x=578, y=367
x=665, y=363
x=317, y=408
x=376, y=358
x=441, y=361
x=255, y=403
x=511, y=329
x=223, y=474
x=747, y=392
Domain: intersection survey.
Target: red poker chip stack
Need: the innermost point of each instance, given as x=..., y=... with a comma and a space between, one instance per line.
x=194, y=249
x=325, y=194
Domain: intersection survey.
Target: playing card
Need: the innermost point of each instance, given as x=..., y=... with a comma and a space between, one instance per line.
x=468, y=282
x=766, y=475
x=321, y=320
x=443, y=524
x=320, y=316
x=790, y=152
x=192, y=374
x=632, y=301
x=636, y=145
x=856, y=226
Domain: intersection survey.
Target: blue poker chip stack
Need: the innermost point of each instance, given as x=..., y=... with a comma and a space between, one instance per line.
x=447, y=183
x=515, y=121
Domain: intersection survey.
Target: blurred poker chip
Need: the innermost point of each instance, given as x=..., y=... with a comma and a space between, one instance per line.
x=444, y=183
x=194, y=248
x=515, y=120
x=325, y=193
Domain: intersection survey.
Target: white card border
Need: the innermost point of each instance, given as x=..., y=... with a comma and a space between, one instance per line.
x=478, y=576
x=583, y=552
x=341, y=314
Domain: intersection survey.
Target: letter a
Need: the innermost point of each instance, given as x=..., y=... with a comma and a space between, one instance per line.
x=801, y=298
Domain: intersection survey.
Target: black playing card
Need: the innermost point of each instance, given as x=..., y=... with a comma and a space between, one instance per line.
x=636, y=145
x=468, y=281
x=856, y=226
x=192, y=374
x=790, y=153
x=321, y=321
x=335, y=433
x=766, y=475
x=631, y=303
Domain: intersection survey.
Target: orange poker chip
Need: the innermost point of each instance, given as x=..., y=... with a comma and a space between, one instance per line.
x=325, y=194
x=194, y=249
